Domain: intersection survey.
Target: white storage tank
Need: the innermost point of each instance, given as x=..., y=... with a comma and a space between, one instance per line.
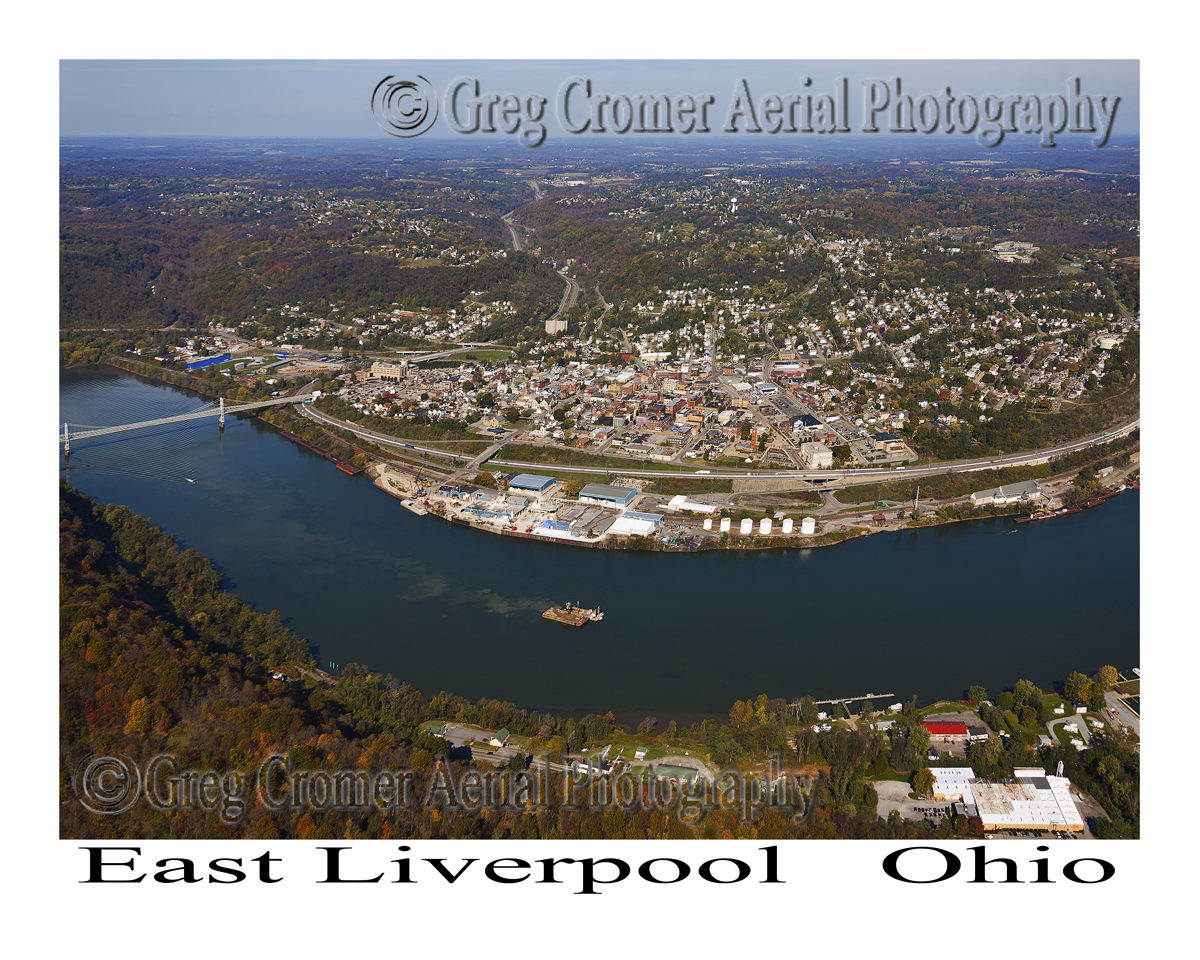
x=787, y=524
x=808, y=526
x=747, y=526
x=764, y=526
x=726, y=523
x=708, y=523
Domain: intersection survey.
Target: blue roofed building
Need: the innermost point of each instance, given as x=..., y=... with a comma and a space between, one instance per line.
x=531, y=482
x=607, y=494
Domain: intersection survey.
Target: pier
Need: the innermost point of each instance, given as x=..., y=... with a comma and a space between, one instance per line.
x=794, y=706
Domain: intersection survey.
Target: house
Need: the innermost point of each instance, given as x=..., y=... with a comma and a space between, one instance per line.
x=500, y=737
x=946, y=732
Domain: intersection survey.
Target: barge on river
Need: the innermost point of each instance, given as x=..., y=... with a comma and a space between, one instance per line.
x=573, y=616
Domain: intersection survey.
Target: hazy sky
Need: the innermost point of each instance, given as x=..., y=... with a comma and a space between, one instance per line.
x=281, y=98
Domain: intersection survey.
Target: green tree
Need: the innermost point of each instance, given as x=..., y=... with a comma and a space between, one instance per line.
x=922, y=782
x=919, y=737
x=1026, y=693
x=977, y=693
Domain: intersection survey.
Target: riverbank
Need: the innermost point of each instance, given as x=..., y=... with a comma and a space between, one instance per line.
x=395, y=481
x=403, y=476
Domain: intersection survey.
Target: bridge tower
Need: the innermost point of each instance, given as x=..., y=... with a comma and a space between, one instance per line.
x=221, y=420
x=67, y=441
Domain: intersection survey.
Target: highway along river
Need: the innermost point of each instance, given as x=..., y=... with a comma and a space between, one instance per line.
x=924, y=612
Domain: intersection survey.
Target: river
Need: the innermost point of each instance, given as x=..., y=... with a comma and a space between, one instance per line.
x=925, y=612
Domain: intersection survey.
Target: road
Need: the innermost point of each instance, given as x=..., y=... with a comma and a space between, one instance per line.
x=380, y=438
x=1124, y=715
x=508, y=222
x=569, y=295
x=1087, y=732
x=876, y=474
x=865, y=475
x=474, y=465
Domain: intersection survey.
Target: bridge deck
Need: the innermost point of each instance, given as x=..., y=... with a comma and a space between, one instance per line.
x=194, y=415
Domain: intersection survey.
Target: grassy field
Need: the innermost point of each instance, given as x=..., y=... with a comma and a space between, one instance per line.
x=530, y=453
x=669, y=486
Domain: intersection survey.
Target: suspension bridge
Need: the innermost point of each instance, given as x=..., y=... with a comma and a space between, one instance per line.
x=79, y=431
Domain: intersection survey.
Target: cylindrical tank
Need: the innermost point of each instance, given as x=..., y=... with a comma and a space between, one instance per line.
x=708, y=523
x=787, y=524
x=747, y=526
x=726, y=523
x=808, y=525
x=764, y=526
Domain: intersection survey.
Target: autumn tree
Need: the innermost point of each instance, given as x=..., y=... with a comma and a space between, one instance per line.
x=1106, y=677
x=1078, y=688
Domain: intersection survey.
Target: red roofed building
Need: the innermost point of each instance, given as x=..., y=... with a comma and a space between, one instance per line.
x=946, y=731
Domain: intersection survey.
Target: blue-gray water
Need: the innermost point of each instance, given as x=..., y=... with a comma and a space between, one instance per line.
x=925, y=612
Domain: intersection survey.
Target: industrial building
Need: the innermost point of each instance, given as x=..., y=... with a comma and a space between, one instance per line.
x=1008, y=493
x=531, y=482
x=816, y=456
x=637, y=524
x=1032, y=800
x=681, y=502
x=606, y=494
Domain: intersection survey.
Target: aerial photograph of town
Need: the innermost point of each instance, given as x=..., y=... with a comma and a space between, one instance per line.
x=598, y=450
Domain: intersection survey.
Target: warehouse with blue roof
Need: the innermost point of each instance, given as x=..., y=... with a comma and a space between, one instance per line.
x=531, y=482
x=607, y=494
